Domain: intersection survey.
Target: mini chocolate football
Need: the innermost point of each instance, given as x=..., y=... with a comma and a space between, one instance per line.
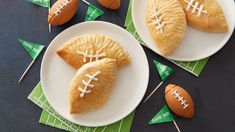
x=62, y=11
x=179, y=101
x=111, y=4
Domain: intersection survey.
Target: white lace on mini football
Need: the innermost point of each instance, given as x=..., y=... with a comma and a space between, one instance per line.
x=61, y=7
x=180, y=99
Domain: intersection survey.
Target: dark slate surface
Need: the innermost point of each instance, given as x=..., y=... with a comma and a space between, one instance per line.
x=213, y=92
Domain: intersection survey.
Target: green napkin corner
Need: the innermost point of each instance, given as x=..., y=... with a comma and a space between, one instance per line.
x=51, y=118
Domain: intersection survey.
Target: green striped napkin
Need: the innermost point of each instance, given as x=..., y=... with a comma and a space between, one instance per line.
x=51, y=118
x=194, y=67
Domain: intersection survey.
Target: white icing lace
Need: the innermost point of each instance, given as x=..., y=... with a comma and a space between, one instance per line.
x=195, y=7
x=91, y=56
x=88, y=83
x=180, y=99
x=159, y=25
x=61, y=6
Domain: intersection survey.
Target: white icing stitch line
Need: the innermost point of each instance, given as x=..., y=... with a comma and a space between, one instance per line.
x=88, y=84
x=58, y=9
x=158, y=21
x=195, y=7
x=180, y=99
x=91, y=56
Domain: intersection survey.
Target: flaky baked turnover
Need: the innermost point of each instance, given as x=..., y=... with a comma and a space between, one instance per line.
x=92, y=85
x=167, y=23
x=91, y=47
x=206, y=15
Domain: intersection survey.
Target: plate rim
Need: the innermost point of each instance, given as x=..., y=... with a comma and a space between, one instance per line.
x=95, y=22
x=196, y=58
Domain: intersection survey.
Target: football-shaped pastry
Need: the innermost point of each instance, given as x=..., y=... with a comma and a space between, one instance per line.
x=91, y=47
x=167, y=24
x=111, y=4
x=92, y=85
x=179, y=101
x=206, y=15
x=62, y=11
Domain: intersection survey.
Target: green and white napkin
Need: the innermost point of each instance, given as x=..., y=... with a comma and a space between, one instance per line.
x=194, y=67
x=51, y=118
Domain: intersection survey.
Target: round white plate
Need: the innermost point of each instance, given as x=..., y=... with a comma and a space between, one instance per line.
x=129, y=89
x=196, y=44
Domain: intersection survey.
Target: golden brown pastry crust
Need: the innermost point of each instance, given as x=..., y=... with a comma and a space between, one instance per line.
x=170, y=30
x=211, y=20
x=102, y=89
x=72, y=50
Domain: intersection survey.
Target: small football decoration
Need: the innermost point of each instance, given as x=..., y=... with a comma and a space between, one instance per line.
x=179, y=101
x=62, y=11
x=111, y=4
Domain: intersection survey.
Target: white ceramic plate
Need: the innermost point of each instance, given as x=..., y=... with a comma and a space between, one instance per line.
x=196, y=44
x=129, y=89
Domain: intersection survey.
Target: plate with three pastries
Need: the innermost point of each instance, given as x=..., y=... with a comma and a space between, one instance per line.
x=184, y=30
x=94, y=73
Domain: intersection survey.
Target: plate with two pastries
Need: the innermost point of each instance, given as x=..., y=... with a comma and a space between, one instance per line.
x=94, y=73
x=184, y=30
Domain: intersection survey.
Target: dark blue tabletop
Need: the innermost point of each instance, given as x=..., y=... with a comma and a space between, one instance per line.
x=213, y=92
